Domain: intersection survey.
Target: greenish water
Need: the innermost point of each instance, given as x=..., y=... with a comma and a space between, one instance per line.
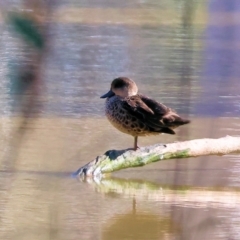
x=181, y=53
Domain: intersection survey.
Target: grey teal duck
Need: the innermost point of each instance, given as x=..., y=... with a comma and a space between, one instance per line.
x=136, y=114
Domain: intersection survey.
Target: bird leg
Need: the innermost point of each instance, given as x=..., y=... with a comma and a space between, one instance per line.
x=135, y=143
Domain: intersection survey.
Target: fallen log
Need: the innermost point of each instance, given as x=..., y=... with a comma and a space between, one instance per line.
x=114, y=160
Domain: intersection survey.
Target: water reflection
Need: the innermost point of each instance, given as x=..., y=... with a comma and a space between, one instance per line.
x=168, y=194
x=183, y=212
x=143, y=226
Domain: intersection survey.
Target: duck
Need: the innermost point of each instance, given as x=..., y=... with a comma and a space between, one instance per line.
x=136, y=114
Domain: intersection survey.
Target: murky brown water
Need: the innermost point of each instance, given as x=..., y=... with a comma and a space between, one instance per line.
x=184, y=54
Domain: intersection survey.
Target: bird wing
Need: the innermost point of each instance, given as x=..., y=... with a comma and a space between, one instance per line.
x=148, y=111
x=158, y=108
x=165, y=114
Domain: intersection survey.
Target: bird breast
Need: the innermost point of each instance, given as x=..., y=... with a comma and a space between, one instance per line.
x=121, y=119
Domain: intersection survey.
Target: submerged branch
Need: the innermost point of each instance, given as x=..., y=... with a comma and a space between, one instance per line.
x=114, y=160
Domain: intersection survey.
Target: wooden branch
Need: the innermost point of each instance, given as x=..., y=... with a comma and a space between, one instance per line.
x=114, y=160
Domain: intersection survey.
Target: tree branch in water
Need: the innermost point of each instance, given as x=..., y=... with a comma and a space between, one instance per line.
x=114, y=160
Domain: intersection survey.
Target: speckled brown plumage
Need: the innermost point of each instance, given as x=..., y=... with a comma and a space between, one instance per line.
x=136, y=114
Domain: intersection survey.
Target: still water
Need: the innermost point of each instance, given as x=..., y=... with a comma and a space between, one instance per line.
x=184, y=54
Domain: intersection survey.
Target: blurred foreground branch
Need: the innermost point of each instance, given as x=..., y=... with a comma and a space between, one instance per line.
x=31, y=24
x=114, y=160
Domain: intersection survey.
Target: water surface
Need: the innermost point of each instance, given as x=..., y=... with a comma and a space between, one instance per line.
x=184, y=54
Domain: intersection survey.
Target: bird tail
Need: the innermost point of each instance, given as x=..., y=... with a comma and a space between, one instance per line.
x=182, y=121
x=175, y=120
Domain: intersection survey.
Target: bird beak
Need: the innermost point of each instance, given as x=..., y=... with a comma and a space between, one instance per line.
x=109, y=94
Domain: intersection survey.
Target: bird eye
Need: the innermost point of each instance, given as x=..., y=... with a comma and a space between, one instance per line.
x=119, y=84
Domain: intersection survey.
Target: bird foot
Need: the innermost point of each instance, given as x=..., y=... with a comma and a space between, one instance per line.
x=136, y=148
